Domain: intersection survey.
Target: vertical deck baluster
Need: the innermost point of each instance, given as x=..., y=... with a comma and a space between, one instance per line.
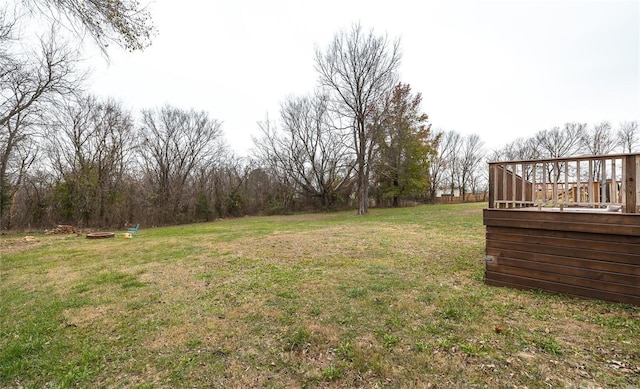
x=556, y=174
x=577, y=197
x=523, y=197
x=603, y=184
x=623, y=184
x=590, y=189
x=614, y=182
x=631, y=178
x=492, y=185
x=504, y=183
x=514, y=170
x=534, y=192
x=565, y=186
x=544, y=182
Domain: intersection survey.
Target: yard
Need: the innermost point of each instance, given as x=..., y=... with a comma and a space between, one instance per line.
x=392, y=299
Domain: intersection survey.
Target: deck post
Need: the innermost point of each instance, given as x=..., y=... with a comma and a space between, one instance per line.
x=492, y=186
x=631, y=184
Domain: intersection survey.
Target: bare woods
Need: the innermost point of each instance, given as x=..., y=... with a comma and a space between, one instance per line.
x=360, y=139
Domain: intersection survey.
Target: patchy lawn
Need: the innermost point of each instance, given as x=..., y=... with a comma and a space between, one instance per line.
x=392, y=299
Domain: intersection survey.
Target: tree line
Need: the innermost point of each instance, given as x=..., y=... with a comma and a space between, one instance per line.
x=574, y=138
x=359, y=139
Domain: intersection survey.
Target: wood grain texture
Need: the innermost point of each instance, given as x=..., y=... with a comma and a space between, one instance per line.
x=591, y=255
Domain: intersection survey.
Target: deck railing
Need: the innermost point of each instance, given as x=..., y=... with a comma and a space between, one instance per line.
x=579, y=183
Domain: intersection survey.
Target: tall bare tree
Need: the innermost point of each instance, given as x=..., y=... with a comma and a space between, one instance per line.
x=306, y=150
x=471, y=154
x=442, y=168
x=19, y=149
x=91, y=146
x=359, y=69
x=174, y=144
x=30, y=83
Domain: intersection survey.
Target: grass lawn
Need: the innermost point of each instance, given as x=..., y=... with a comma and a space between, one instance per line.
x=392, y=299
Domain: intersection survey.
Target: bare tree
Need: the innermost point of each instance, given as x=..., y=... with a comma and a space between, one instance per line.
x=307, y=151
x=598, y=140
x=267, y=193
x=443, y=164
x=628, y=136
x=359, y=69
x=123, y=22
x=174, y=144
x=91, y=146
x=230, y=188
x=470, y=156
x=558, y=143
x=30, y=83
x=443, y=169
x=32, y=203
x=30, y=78
x=219, y=188
x=7, y=27
x=18, y=151
x=519, y=149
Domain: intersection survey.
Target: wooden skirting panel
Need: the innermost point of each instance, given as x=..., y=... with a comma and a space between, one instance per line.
x=592, y=255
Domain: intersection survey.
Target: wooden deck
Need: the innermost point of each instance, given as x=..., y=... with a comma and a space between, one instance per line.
x=537, y=242
x=589, y=181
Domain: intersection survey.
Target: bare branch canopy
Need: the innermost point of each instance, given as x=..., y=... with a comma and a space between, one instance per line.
x=359, y=69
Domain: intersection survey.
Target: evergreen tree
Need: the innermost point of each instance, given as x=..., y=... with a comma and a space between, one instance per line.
x=405, y=147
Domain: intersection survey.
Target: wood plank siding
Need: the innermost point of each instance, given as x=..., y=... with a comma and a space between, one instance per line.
x=592, y=255
x=566, y=225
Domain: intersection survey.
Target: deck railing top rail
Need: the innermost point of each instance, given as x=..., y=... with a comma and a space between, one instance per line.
x=581, y=183
x=567, y=159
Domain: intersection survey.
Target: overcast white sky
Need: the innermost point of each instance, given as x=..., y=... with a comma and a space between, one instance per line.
x=501, y=69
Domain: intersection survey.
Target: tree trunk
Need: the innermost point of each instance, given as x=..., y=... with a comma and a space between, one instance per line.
x=363, y=172
x=363, y=193
x=396, y=184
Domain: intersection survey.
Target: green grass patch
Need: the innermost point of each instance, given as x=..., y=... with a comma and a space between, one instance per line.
x=392, y=299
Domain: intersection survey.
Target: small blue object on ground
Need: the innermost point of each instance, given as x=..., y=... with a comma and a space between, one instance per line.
x=133, y=231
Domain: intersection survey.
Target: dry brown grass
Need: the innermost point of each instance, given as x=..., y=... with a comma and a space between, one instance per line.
x=394, y=299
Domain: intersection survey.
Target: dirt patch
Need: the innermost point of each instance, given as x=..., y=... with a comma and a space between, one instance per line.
x=17, y=245
x=336, y=242
x=178, y=282
x=85, y=316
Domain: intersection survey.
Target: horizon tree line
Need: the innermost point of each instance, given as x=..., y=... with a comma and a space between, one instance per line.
x=97, y=167
x=360, y=139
